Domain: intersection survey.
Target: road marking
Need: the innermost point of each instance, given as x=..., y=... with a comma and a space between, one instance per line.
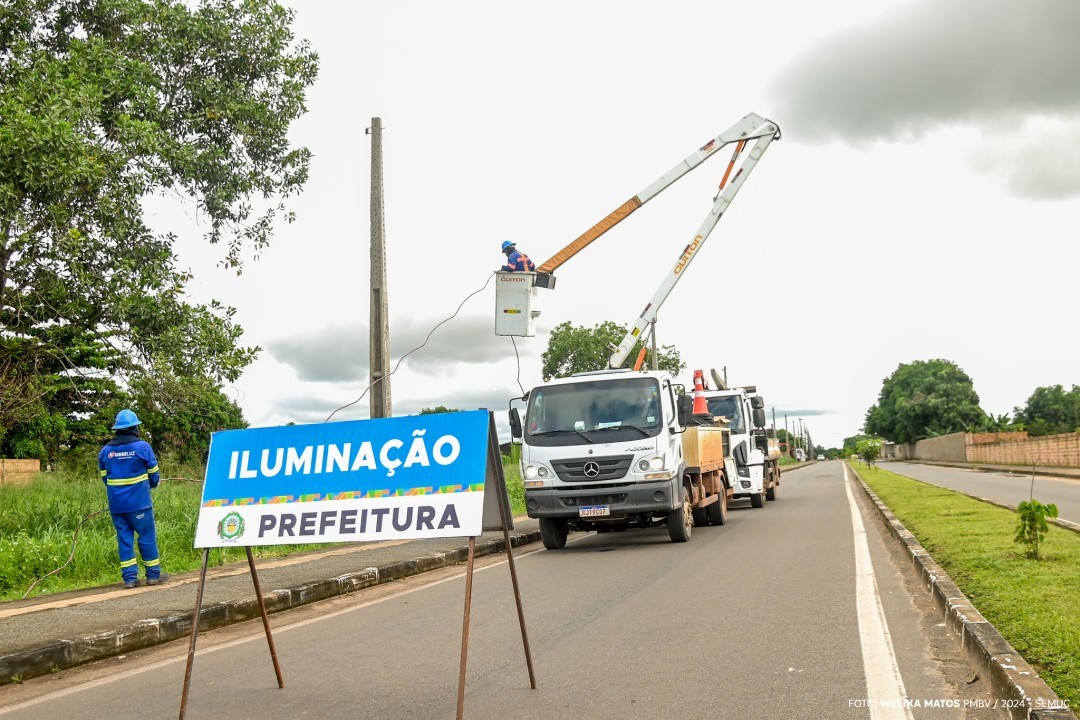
x=884, y=686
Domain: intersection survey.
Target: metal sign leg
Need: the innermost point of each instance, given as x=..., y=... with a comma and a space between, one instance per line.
x=265, y=619
x=465, y=631
x=194, y=632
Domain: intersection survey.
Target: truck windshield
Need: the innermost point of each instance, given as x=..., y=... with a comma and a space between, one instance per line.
x=609, y=410
x=729, y=407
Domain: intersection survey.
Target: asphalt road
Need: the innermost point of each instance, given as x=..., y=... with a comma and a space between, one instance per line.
x=1009, y=487
x=758, y=618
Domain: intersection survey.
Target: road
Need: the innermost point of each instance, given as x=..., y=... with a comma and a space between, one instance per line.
x=769, y=616
x=1003, y=486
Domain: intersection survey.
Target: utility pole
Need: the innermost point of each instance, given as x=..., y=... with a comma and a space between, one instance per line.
x=787, y=439
x=655, y=357
x=379, y=345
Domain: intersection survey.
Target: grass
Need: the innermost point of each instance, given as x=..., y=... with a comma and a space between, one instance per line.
x=38, y=522
x=1035, y=604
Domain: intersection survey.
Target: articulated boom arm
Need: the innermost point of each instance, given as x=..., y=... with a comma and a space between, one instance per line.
x=749, y=128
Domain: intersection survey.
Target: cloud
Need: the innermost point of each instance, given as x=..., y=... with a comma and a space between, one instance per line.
x=339, y=353
x=993, y=65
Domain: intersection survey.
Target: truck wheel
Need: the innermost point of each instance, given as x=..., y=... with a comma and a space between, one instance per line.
x=680, y=521
x=553, y=532
x=718, y=510
x=757, y=500
x=701, y=518
x=773, y=492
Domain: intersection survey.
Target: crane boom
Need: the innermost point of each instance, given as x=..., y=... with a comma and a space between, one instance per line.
x=750, y=127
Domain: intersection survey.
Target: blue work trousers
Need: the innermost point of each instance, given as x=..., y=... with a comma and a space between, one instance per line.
x=128, y=525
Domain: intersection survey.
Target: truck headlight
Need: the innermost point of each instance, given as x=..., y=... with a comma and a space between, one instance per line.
x=647, y=464
x=535, y=471
x=743, y=471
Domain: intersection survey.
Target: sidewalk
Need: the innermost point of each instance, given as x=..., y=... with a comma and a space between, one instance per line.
x=42, y=634
x=1060, y=472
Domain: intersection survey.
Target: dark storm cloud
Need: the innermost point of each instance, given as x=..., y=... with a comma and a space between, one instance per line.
x=340, y=353
x=991, y=64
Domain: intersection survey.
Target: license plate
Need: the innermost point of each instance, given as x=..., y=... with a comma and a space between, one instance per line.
x=594, y=511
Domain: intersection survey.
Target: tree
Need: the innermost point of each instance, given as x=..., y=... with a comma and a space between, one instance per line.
x=924, y=398
x=579, y=349
x=868, y=449
x=1050, y=410
x=436, y=410
x=103, y=104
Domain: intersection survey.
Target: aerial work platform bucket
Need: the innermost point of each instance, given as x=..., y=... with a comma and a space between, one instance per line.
x=515, y=295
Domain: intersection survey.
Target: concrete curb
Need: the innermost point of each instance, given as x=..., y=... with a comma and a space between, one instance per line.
x=1011, y=678
x=66, y=653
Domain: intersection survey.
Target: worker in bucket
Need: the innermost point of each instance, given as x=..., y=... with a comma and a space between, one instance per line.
x=516, y=261
x=129, y=470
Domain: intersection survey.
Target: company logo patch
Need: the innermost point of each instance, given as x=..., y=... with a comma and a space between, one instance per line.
x=231, y=527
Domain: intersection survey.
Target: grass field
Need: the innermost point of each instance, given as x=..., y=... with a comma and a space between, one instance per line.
x=39, y=521
x=1035, y=604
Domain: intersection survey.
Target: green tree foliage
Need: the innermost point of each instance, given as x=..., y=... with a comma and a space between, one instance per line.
x=868, y=449
x=924, y=398
x=1050, y=410
x=104, y=103
x=573, y=349
x=436, y=410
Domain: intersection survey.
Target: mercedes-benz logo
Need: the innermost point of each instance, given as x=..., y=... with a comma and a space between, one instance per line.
x=591, y=469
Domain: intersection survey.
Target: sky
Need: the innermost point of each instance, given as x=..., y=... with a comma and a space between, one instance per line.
x=921, y=203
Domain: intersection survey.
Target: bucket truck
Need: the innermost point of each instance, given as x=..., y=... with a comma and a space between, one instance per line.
x=619, y=449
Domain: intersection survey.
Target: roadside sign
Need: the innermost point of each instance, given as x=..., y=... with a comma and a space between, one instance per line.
x=405, y=477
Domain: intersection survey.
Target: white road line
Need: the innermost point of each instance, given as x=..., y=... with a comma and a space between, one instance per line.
x=884, y=686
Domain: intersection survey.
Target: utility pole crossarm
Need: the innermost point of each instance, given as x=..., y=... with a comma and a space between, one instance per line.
x=751, y=127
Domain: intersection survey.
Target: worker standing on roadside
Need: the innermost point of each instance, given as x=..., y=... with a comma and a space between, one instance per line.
x=516, y=261
x=129, y=470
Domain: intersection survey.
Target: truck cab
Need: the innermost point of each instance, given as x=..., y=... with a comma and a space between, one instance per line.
x=756, y=453
x=604, y=451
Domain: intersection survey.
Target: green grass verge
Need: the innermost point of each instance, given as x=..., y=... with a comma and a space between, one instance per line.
x=38, y=522
x=1034, y=604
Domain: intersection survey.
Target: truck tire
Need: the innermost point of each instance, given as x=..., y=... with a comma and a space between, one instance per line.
x=680, y=521
x=553, y=532
x=718, y=511
x=773, y=492
x=757, y=500
x=701, y=518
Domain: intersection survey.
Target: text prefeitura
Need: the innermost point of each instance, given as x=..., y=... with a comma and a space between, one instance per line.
x=317, y=459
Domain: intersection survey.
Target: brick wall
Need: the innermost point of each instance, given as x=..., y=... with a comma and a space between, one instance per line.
x=1047, y=451
x=13, y=472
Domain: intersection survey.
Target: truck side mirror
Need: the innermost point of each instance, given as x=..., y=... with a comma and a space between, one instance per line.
x=515, y=423
x=757, y=402
x=686, y=409
x=759, y=418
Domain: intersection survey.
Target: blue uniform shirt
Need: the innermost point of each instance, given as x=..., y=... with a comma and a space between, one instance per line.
x=518, y=261
x=129, y=469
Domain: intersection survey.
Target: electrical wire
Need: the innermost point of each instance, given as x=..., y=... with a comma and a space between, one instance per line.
x=74, y=542
x=518, y=358
x=430, y=332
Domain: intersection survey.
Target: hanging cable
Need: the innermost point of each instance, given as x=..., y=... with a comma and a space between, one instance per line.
x=518, y=358
x=398, y=364
x=74, y=542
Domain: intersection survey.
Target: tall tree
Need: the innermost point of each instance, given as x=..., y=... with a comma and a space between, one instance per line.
x=922, y=399
x=1050, y=410
x=102, y=104
x=573, y=349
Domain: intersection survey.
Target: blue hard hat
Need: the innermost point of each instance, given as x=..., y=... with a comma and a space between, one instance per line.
x=125, y=419
x=507, y=244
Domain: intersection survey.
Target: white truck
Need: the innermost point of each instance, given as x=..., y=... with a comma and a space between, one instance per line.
x=758, y=464
x=619, y=449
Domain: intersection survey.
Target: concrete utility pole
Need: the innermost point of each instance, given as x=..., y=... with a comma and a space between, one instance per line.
x=379, y=345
